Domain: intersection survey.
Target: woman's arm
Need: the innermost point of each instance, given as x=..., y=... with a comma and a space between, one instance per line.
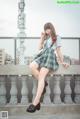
x=60, y=57
x=40, y=46
x=59, y=54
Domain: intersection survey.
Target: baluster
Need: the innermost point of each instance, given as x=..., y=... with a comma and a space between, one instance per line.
x=35, y=84
x=24, y=91
x=2, y=91
x=13, y=91
x=46, y=99
x=67, y=90
x=77, y=89
x=57, y=90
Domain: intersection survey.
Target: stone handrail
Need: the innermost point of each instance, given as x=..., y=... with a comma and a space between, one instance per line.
x=11, y=69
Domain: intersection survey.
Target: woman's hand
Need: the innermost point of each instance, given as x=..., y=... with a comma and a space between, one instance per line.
x=43, y=36
x=65, y=65
x=60, y=58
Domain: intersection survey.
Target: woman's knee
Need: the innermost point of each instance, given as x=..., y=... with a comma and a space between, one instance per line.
x=33, y=65
x=43, y=73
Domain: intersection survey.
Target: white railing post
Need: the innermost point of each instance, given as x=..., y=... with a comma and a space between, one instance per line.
x=46, y=99
x=24, y=91
x=67, y=89
x=77, y=89
x=2, y=91
x=57, y=90
x=13, y=91
x=34, y=90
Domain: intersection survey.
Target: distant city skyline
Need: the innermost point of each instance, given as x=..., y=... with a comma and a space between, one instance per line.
x=65, y=18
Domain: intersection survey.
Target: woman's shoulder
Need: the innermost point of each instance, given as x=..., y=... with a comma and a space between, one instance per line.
x=58, y=41
x=58, y=36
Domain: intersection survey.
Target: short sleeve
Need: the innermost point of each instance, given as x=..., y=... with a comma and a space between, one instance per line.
x=58, y=42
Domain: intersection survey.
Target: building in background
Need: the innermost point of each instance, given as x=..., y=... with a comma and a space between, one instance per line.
x=2, y=56
x=28, y=60
x=5, y=58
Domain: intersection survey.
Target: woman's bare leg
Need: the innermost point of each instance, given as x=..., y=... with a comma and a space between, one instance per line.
x=42, y=75
x=34, y=69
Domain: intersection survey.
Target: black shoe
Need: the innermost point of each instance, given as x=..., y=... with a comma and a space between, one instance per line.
x=32, y=108
x=44, y=91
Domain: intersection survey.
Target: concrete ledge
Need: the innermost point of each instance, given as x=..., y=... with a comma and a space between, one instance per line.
x=45, y=109
x=24, y=70
x=46, y=116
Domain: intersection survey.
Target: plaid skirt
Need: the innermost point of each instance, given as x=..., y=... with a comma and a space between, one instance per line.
x=47, y=59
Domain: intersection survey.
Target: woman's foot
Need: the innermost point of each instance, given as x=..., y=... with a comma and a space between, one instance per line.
x=32, y=108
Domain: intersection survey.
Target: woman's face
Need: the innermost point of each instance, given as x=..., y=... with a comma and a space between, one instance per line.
x=48, y=31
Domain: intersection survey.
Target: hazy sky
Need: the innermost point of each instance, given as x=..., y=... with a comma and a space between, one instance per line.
x=66, y=19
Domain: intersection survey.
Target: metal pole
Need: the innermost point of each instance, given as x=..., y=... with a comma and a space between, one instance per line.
x=15, y=44
x=79, y=49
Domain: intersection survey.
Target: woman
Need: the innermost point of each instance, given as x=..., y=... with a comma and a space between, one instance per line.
x=45, y=62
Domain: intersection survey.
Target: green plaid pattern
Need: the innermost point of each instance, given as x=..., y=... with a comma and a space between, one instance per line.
x=47, y=59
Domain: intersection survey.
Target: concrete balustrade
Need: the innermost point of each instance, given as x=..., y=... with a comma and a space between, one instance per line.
x=22, y=73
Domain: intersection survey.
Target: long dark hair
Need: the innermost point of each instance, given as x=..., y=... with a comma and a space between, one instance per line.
x=53, y=32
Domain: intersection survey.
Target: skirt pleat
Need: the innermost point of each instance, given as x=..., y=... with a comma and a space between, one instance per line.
x=47, y=59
